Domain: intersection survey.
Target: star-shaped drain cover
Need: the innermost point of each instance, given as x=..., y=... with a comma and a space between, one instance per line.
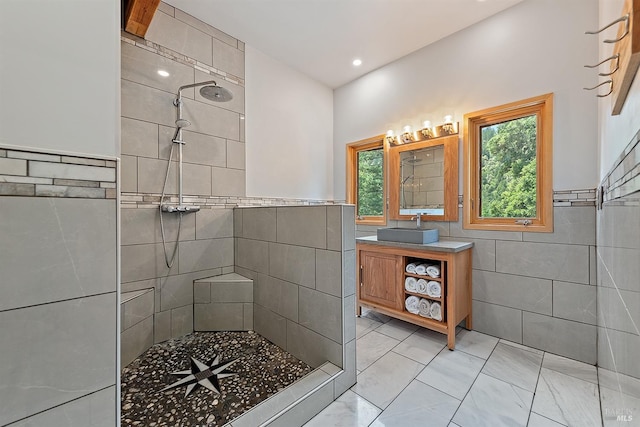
x=206, y=375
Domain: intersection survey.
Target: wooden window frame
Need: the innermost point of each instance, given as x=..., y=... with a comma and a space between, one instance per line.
x=352, y=179
x=542, y=107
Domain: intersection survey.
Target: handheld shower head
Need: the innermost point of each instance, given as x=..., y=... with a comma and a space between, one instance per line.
x=183, y=123
x=180, y=124
x=216, y=93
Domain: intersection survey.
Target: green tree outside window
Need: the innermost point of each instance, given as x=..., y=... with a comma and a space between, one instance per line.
x=370, y=183
x=508, y=169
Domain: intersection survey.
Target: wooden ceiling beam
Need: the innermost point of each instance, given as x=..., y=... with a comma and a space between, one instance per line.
x=138, y=16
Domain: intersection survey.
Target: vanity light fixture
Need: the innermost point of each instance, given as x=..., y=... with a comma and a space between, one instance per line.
x=448, y=126
x=427, y=131
x=390, y=137
x=407, y=135
x=163, y=73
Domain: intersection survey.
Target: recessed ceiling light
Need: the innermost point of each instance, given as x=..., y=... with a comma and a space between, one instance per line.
x=163, y=73
x=357, y=62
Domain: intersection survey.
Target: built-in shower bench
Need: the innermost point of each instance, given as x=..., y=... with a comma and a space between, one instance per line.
x=223, y=303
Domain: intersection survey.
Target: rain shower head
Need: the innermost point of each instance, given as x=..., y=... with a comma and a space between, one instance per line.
x=413, y=159
x=216, y=93
x=209, y=90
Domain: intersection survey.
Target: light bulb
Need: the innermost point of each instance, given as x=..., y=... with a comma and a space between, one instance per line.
x=448, y=119
x=407, y=129
x=427, y=124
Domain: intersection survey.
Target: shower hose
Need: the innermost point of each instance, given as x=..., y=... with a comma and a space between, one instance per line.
x=168, y=261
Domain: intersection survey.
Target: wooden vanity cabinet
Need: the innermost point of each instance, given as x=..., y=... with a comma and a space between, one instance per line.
x=381, y=279
x=378, y=270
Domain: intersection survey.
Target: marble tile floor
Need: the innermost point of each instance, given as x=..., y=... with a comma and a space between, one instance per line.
x=260, y=369
x=408, y=378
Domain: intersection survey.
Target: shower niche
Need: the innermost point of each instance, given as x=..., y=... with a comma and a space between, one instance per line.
x=423, y=177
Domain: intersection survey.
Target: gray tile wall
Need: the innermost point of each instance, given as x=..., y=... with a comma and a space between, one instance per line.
x=58, y=305
x=302, y=262
x=214, y=168
x=618, y=286
x=535, y=289
x=136, y=324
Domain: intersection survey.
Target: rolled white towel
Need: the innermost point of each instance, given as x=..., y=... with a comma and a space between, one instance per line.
x=421, y=269
x=433, y=271
x=424, y=308
x=421, y=286
x=435, y=311
x=410, y=284
x=434, y=289
x=411, y=267
x=411, y=304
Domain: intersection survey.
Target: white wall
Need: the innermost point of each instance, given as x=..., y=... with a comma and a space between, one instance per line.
x=615, y=131
x=535, y=47
x=60, y=75
x=289, y=124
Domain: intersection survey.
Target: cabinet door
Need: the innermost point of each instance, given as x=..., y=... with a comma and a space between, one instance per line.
x=379, y=279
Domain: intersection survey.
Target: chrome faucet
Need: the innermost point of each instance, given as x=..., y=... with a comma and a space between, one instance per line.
x=417, y=218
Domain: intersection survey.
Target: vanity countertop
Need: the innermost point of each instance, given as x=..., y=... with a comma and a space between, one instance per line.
x=439, y=246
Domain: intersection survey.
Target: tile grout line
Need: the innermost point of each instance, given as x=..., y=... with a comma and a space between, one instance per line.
x=388, y=351
x=473, y=383
x=414, y=378
x=535, y=389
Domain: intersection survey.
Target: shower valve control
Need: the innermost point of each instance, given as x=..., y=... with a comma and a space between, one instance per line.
x=180, y=209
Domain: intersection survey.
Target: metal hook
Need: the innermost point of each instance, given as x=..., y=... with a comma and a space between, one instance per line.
x=616, y=57
x=610, y=82
x=626, y=29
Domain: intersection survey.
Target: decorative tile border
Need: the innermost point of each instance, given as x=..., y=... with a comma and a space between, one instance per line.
x=566, y=198
x=624, y=177
x=178, y=57
x=33, y=174
x=141, y=201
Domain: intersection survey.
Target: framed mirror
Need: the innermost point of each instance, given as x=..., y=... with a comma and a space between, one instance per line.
x=423, y=179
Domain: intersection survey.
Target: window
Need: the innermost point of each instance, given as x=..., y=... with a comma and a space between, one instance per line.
x=508, y=167
x=366, y=180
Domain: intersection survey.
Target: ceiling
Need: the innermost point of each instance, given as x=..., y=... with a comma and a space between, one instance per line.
x=321, y=38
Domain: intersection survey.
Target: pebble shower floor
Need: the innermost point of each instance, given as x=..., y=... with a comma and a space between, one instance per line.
x=262, y=369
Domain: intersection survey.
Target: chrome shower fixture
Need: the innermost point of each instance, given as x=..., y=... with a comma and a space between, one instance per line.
x=183, y=123
x=180, y=124
x=209, y=90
